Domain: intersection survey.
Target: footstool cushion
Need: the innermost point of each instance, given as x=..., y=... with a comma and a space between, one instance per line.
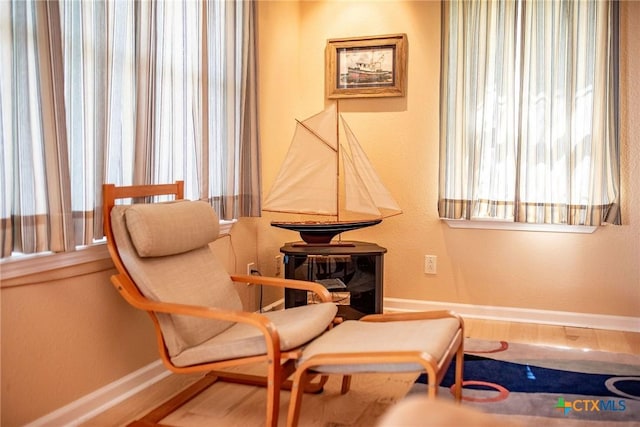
x=427, y=337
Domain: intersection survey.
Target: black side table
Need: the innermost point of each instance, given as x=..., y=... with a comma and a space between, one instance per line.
x=353, y=274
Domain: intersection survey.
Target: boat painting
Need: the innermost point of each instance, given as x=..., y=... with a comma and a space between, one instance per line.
x=322, y=175
x=364, y=67
x=362, y=74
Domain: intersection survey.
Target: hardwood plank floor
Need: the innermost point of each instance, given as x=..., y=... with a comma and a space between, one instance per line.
x=370, y=396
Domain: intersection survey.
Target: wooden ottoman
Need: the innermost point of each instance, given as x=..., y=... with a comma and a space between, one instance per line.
x=396, y=342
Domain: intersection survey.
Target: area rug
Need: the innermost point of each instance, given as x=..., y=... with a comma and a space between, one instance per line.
x=535, y=385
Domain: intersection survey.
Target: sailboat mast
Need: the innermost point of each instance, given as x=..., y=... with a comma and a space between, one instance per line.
x=338, y=159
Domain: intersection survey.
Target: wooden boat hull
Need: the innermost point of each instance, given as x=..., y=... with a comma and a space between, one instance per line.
x=318, y=232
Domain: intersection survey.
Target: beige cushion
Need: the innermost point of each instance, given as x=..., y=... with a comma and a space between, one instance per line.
x=295, y=326
x=431, y=336
x=160, y=229
x=194, y=277
x=189, y=273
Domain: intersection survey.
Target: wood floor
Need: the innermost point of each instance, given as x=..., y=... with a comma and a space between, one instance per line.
x=231, y=405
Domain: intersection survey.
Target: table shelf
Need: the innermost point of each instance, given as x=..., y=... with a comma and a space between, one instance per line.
x=357, y=265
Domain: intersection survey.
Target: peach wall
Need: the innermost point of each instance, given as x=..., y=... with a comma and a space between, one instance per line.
x=64, y=339
x=585, y=273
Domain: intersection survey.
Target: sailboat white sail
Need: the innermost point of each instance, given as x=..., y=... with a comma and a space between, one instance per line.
x=307, y=182
x=363, y=180
x=309, y=179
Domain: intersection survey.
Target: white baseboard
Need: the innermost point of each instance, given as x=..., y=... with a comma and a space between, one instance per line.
x=513, y=314
x=104, y=398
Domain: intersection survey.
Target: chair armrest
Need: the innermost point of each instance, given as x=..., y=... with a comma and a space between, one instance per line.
x=317, y=288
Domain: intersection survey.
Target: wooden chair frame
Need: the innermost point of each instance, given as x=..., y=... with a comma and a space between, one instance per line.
x=280, y=365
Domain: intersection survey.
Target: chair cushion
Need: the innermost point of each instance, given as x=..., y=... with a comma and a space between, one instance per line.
x=195, y=277
x=295, y=326
x=160, y=229
x=430, y=336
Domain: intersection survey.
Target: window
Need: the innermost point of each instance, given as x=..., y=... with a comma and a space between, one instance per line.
x=529, y=112
x=123, y=92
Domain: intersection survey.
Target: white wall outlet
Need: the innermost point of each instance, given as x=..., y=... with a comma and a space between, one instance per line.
x=430, y=264
x=250, y=267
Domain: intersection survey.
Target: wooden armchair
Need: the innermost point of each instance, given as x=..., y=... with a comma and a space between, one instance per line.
x=166, y=268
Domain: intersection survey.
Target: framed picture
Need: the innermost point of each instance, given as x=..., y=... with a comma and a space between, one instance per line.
x=373, y=66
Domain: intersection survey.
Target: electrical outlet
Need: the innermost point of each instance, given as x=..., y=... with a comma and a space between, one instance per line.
x=278, y=266
x=250, y=267
x=430, y=264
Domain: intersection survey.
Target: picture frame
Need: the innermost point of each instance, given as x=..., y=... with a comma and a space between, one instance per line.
x=371, y=66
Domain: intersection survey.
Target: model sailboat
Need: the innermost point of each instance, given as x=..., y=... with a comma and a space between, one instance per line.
x=317, y=165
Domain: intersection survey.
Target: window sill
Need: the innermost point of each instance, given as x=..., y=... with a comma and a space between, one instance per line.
x=225, y=227
x=518, y=226
x=56, y=266
x=30, y=270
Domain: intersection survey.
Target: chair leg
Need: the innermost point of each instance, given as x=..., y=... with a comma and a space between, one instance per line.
x=432, y=387
x=299, y=380
x=274, y=380
x=314, y=388
x=459, y=373
x=346, y=384
x=431, y=371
